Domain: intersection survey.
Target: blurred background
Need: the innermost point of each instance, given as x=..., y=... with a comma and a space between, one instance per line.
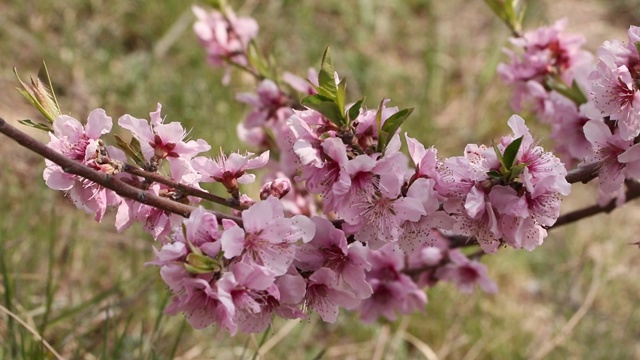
x=86, y=289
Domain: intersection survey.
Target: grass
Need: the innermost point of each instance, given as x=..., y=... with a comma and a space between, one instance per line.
x=84, y=288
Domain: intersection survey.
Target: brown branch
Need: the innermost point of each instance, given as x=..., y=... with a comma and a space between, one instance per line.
x=106, y=180
x=185, y=189
x=583, y=174
x=633, y=192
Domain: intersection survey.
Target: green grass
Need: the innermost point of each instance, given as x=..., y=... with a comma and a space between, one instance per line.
x=85, y=288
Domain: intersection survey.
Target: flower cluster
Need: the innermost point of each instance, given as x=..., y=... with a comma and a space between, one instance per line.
x=342, y=219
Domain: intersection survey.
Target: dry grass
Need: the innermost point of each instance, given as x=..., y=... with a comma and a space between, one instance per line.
x=84, y=287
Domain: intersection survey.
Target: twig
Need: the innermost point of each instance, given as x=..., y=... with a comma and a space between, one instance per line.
x=583, y=174
x=632, y=193
x=106, y=180
x=185, y=189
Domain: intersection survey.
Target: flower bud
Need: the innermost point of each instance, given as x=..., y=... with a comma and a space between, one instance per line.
x=40, y=96
x=278, y=188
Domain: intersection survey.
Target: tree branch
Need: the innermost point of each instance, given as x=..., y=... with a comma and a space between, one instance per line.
x=633, y=192
x=583, y=174
x=185, y=189
x=108, y=181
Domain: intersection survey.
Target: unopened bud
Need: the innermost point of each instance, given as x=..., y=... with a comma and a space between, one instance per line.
x=278, y=188
x=245, y=202
x=40, y=96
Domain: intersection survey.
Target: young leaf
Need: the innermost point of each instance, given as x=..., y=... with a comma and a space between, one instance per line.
x=44, y=73
x=39, y=126
x=132, y=149
x=39, y=96
x=354, y=110
x=341, y=94
x=257, y=60
x=326, y=80
x=510, y=153
x=326, y=107
x=390, y=126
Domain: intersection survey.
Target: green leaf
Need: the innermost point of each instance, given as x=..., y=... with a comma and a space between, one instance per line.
x=132, y=150
x=516, y=171
x=40, y=97
x=510, y=153
x=326, y=80
x=44, y=74
x=341, y=95
x=257, y=60
x=354, y=110
x=326, y=107
x=390, y=126
x=637, y=45
x=200, y=264
x=573, y=93
x=511, y=12
x=39, y=126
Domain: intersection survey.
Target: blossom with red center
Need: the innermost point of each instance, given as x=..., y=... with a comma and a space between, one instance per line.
x=224, y=36
x=325, y=297
x=466, y=273
x=616, y=84
x=230, y=170
x=83, y=144
x=268, y=238
x=252, y=289
x=393, y=291
x=617, y=158
x=329, y=249
x=159, y=141
x=545, y=52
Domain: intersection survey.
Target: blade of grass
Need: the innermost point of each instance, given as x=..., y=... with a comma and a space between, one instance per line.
x=49, y=286
x=32, y=331
x=174, y=348
x=8, y=297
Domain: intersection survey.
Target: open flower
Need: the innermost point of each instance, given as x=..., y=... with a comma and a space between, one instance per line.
x=83, y=144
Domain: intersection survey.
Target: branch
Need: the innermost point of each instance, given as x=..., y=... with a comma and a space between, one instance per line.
x=185, y=189
x=583, y=174
x=633, y=192
x=106, y=180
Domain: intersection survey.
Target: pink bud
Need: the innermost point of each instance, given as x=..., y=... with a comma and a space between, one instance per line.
x=279, y=188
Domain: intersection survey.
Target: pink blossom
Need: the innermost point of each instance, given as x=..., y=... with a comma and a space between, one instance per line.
x=329, y=249
x=615, y=91
x=618, y=158
x=83, y=144
x=223, y=35
x=160, y=141
x=268, y=238
x=269, y=104
x=465, y=273
x=567, y=122
x=156, y=222
x=425, y=160
x=546, y=51
x=252, y=290
x=230, y=170
x=393, y=291
x=324, y=297
x=203, y=305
